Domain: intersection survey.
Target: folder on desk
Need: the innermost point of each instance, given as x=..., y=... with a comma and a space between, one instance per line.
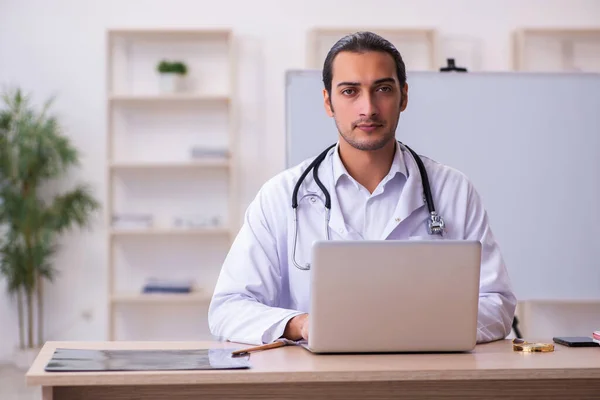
x=76, y=360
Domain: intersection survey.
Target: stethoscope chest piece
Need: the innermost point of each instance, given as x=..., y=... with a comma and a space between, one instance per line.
x=436, y=225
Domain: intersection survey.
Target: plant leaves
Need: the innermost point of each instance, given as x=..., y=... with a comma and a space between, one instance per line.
x=34, y=151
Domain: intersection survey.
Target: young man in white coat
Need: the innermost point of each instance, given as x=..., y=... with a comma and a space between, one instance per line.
x=376, y=193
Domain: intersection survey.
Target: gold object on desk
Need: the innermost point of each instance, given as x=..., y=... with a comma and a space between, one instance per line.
x=527, y=347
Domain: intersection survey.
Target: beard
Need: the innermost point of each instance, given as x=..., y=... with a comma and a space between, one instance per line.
x=372, y=142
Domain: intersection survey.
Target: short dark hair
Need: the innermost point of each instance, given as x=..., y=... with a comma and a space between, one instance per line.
x=361, y=42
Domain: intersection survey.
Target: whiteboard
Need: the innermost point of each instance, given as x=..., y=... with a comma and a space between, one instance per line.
x=529, y=142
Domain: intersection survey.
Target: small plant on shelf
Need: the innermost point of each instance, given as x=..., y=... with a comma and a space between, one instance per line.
x=176, y=67
x=171, y=75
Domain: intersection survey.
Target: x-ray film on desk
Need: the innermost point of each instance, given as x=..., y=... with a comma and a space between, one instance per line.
x=75, y=360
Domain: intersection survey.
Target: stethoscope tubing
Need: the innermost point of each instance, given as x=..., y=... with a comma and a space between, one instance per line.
x=435, y=220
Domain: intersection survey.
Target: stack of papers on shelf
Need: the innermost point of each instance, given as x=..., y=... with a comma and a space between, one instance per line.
x=199, y=152
x=196, y=221
x=154, y=285
x=132, y=221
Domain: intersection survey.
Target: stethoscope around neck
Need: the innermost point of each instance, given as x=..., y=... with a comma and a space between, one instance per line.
x=435, y=224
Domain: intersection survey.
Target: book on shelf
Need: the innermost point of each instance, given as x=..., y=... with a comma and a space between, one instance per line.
x=154, y=286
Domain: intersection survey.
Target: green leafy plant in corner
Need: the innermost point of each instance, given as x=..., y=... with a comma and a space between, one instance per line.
x=34, y=153
x=176, y=67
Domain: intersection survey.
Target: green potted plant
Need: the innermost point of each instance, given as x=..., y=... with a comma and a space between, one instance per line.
x=34, y=154
x=171, y=75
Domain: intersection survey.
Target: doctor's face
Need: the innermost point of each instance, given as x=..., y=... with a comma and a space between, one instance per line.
x=366, y=99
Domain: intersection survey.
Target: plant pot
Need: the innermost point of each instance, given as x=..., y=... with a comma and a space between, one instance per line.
x=170, y=82
x=23, y=358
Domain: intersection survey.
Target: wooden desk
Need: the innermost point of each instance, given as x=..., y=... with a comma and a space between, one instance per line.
x=492, y=371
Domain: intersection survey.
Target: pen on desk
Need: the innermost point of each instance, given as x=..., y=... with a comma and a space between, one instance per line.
x=273, y=345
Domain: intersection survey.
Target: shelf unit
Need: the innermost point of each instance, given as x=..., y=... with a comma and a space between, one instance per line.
x=564, y=317
x=557, y=50
x=161, y=162
x=418, y=47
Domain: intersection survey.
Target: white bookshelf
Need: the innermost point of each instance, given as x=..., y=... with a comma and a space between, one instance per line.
x=171, y=167
x=557, y=50
x=558, y=317
x=418, y=46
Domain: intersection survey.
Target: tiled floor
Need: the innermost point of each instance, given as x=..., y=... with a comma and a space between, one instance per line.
x=13, y=387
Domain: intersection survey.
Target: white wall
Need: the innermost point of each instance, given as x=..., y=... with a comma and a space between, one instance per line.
x=57, y=47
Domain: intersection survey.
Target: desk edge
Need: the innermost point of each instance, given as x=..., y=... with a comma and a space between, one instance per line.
x=235, y=377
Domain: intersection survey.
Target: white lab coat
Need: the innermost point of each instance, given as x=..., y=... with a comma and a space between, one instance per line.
x=259, y=289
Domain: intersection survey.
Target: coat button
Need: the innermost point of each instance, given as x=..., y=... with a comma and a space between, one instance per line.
x=312, y=200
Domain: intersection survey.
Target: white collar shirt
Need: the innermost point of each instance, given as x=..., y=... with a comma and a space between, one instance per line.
x=366, y=215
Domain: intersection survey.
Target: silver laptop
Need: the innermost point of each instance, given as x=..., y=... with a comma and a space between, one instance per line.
x=394, y=296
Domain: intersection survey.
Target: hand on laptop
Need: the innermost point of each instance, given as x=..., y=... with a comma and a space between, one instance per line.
x=297, y=328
